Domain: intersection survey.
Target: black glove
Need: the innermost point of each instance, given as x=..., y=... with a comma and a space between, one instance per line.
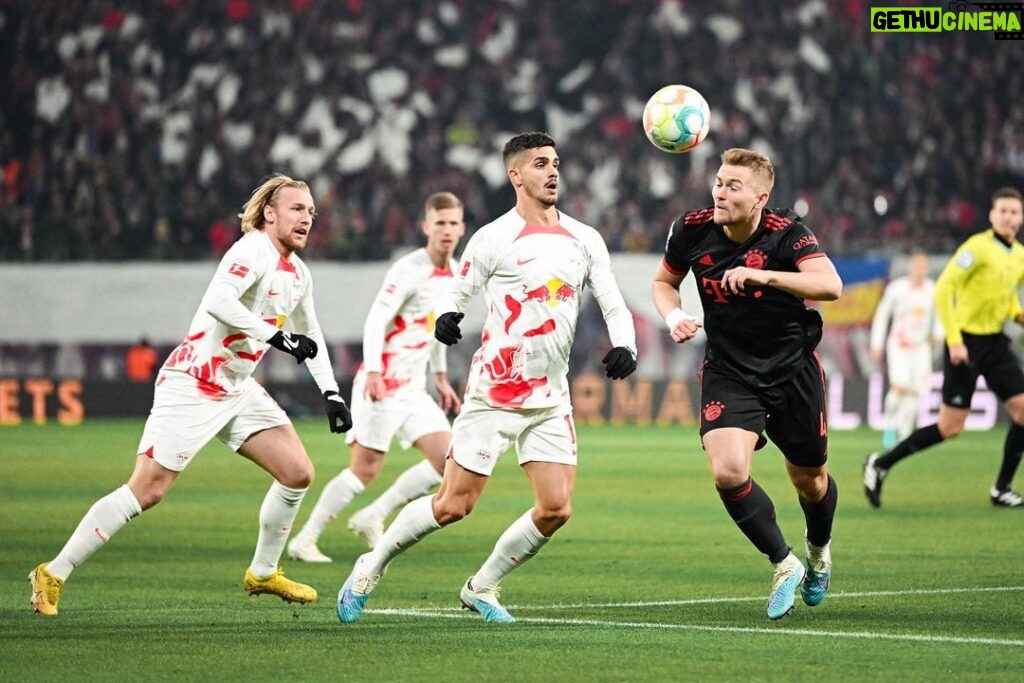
x=619, y=363
x=446, y=328
x=298, y=345
x=338, y=416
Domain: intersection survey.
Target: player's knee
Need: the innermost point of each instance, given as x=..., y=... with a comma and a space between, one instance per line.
x=298, y=477
x=553, y=518
x=448, y=510
x=950, y=429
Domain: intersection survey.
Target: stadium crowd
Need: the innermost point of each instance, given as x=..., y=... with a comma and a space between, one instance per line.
x=135, y=130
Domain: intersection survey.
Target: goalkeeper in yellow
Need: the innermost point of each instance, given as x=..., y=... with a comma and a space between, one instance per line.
x=975, y=295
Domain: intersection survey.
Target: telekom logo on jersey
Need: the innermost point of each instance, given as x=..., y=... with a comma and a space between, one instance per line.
x=720, y=295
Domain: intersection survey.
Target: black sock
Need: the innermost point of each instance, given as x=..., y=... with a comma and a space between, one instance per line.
x=1012, y=450
x=819, y=515
x=754, y=513
x=923, y=438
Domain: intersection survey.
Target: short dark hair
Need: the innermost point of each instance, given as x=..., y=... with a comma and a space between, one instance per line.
x=1007, y=193
x=523, y=142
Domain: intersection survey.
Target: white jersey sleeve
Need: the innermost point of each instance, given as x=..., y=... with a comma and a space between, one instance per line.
x=304, y=321
x=617, y=316
x=252, y=295
x=398, y=335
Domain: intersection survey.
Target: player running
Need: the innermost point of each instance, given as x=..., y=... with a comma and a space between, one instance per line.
x=205, y=389
x=389, y=395
x=532, y=264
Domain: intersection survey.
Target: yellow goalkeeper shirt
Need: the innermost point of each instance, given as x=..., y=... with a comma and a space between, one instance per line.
x=977, y=290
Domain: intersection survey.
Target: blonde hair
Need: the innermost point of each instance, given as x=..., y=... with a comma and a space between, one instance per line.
x=263, y=196
x=440, y=201
x=757, y=162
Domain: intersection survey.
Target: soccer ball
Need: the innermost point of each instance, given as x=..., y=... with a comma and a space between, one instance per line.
x=676, y=118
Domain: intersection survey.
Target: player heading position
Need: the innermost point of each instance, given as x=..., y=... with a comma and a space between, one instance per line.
x=389, y=395
x=754, y=268
x=532, y=264
x=205, y=389
x=904, y=326
x=975, y=295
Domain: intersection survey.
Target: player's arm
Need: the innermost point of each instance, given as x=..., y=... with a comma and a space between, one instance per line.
x=880, y=323
x=620, y=361
x=665, y=287
x=438, y=363
x=815, y=279
x=304, y=320
x=1016, y=313
x=474, y=270
x=222, y=300
x=952, y=280
x=665, y=291
x=393, y=294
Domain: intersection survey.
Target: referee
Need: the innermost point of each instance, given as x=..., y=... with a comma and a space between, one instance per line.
x=974, y=296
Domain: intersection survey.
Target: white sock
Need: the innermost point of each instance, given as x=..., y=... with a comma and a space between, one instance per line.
x=410, y=485
x=277, y=513
x=104, y=519
x=906, y=415
x=338, y=493
x=520, y=542
x=415, y=521
x=891, y=407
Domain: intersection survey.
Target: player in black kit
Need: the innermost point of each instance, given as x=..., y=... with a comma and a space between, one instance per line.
x=754, y=267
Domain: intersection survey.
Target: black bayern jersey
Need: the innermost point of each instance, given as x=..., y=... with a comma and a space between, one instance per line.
x=762, y=334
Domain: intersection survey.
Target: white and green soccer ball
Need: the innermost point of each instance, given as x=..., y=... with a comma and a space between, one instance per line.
x=677, y=118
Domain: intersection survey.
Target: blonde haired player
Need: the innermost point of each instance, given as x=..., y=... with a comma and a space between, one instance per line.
x=906, y=329
x=532, y=264
x=389, y=395
x=205, y=389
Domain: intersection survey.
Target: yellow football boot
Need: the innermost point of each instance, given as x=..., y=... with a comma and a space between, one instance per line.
x=277, y=584
x=45, y=590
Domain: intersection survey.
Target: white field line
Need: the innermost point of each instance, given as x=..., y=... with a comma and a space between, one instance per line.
x=449, y=613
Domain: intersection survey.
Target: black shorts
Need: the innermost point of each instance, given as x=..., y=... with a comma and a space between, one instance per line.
x=991, y=357
x=793, y=414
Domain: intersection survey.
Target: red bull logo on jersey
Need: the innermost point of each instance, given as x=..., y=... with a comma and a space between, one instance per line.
x=552, y=293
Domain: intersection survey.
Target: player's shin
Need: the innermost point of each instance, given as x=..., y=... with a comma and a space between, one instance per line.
x=103, y=520
x=818, y=515
x=277, y=514
x=415, y=521
x=338, y=493
x=411, y=484
x=519, y=543
x=754, y=513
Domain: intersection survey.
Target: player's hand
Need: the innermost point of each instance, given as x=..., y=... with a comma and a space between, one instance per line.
x=375, y=388
x=338, y=416
x=682, y=327
x=449, y=400
x=619, y=363
x=298, y=345
x=735, y=280
x=958, y=355
x=446, y=328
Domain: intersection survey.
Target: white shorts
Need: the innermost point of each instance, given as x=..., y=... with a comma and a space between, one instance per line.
x=481, y=433
x=408, y=418
x=910, y=368
x=183, y=420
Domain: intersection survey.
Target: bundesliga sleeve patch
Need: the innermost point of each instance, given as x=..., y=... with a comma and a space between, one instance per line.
x=238, y=269
x=965, y=260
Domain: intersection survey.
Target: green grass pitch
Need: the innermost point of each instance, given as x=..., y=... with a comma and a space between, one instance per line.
x=649, y=581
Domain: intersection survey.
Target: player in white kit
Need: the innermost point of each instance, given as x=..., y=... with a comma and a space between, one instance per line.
x=906, y=327
x=389, y=395
x=532, y=264
x=205, y=389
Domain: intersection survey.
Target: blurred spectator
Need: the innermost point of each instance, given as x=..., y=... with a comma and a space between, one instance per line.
x=124, y=126
x=140, y=362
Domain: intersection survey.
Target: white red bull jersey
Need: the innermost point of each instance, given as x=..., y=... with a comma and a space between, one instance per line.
x=254, y=292
x=398, y=336
x=911, y=311
x=533, y=277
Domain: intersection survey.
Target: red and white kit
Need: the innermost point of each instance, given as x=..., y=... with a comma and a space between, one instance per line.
x=533, y=278
x=207, y=380
x=908, y=314
x=398, y=342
